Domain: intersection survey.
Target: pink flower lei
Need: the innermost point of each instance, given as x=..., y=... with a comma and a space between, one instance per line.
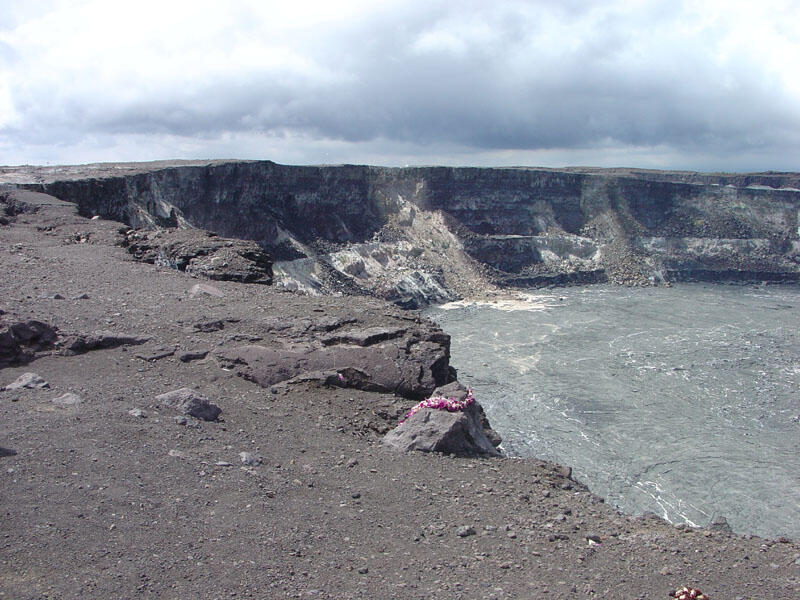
x=688, y=593
x=441, y=403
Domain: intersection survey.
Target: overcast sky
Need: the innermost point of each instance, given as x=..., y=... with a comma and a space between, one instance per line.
x=705, y=85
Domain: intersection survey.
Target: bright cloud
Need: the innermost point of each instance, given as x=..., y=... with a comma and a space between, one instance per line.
x=698, y=84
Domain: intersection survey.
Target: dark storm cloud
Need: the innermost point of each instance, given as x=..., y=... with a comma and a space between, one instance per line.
x=504, y=76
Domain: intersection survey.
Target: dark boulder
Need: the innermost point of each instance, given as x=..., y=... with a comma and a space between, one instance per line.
x=461, y=433
x=19, y=342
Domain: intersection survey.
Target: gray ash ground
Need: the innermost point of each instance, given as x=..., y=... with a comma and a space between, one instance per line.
x=100, y=503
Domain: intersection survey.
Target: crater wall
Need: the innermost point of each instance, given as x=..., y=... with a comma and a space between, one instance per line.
x=447, y=232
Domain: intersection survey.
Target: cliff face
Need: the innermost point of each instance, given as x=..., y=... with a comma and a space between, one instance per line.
x=422, y=234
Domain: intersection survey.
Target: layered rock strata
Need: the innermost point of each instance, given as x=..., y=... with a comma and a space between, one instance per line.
x=430, y=234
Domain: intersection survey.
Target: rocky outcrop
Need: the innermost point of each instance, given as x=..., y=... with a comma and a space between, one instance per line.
x=201, y=254
x=410, y=361
x=420, y=235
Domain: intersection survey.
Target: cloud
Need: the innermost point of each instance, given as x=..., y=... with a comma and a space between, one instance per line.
x=442, y=79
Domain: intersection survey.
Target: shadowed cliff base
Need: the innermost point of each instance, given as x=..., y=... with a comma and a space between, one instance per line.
x=422, y=235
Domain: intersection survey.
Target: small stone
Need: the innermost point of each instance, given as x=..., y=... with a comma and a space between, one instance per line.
x=83, y=296
x=465, y=531
x=720, y=524
x=352, y=462
x=137, y=412
x=192, y=355
x=205, y=288
x=593, y=537
x=363, y=570
x=564, y=471
x=249, y=459
x=223, y=463
x=27, y=381
x=355, y=495
x=156, y=354
x=68, y=399
x=181, y=420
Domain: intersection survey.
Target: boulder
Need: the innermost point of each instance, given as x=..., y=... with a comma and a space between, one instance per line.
x=191, y=403
x=460, y=433
x=20, y=341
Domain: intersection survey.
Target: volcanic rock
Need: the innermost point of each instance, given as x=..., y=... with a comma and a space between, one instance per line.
x=21, y=340
x=412, y=363
x=431, y=430
x=201, y=254
x=27, y=381
x=68, y=399
x=100, y=340
x=191, y=403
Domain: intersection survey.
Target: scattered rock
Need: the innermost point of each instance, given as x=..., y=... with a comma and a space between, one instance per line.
x=205, y=288
x=68, y=399
x=564, y=471
x=191, y=403
x=465, y=531
x=192, y=355
x=720, y=524
x=137, y=412
x=156, y=353
x=209, y=326
x=28, y=381
x=100, y=340
x=249, y=459
x=593, y=537
x=83, y=296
